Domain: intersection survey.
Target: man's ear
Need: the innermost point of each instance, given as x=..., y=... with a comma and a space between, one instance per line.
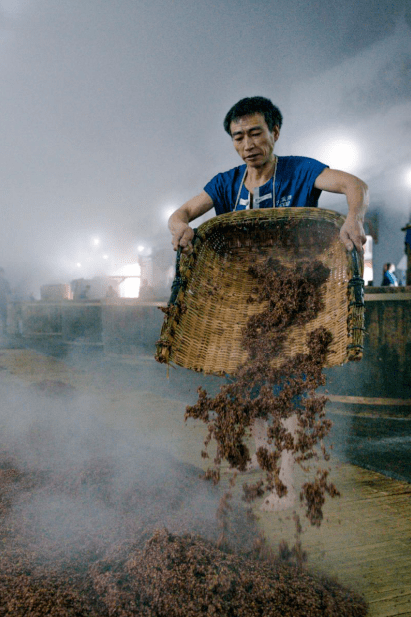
x=276, y=132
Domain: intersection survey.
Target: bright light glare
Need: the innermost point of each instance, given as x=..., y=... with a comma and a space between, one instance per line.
x=105, y=256
x=95, y=241
x=129, y=288
x=168, y=211
x=140, y=248
x=340, y=153
x=407, y=178
x=78, y=264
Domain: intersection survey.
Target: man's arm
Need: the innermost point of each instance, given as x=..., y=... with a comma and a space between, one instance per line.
x=178, y=223
x=356, y=193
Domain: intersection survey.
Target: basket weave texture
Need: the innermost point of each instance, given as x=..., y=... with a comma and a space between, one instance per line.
x=203, y=328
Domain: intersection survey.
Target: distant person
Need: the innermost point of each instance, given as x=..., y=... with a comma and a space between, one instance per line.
x=111, y=292
x=146, y=291
x=4, y=296
x=84, y=293
x=388, y=277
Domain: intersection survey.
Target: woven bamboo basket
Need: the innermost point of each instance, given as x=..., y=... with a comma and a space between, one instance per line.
x=209, y=305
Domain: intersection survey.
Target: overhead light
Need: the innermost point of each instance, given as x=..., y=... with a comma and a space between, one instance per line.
x=340, y=153
x=334, y=148
x=407, y=178
x=169, y=210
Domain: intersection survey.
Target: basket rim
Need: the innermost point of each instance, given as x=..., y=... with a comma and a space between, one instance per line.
x=233, y=218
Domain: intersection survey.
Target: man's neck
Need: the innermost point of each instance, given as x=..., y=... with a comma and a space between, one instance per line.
x=257, y=176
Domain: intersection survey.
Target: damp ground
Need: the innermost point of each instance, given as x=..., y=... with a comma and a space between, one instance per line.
x=365, y=537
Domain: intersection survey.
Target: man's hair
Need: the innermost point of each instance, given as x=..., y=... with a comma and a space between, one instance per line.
x=254, y=105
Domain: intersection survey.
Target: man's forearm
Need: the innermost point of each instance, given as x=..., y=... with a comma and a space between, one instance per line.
x=177, y=220
x=357, y=199
x=352, y=232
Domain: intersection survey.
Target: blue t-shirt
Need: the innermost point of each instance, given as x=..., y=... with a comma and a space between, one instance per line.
x=389, y=279
x=294, y=186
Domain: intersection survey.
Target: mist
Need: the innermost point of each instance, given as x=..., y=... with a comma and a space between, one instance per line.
x=88, y=485
x=112, y=112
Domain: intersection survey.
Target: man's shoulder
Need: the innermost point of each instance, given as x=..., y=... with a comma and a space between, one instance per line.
x=223, y=187
x=299, y=166
x=297, y=161
x=231, y=173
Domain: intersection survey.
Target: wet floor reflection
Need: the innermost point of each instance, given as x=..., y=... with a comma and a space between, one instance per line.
x=379, y=444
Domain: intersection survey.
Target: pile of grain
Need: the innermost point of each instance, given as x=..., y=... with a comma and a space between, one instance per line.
x=126, y=568
x=185, y=576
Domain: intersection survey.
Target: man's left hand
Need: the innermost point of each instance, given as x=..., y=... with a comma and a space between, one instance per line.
x=356, y=191
x=352, y=234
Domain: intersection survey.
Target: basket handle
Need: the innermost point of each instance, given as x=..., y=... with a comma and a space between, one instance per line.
x=178, y=279
x=176, y=284
x=356, y=282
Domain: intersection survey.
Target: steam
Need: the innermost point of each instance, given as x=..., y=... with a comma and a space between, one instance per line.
x=93, y=486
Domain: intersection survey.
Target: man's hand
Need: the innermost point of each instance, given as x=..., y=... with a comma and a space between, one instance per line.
x=352, y=234
x=182, y=236
x=356, y=192
x=178, y=223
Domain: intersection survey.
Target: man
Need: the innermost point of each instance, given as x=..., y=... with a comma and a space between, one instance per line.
x=266, y=180
x=4, y=297
x=389, y=279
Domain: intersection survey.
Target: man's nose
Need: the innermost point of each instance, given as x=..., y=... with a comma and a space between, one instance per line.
x=248, y=143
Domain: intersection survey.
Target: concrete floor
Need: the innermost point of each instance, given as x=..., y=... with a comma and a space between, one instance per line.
x=365, y=538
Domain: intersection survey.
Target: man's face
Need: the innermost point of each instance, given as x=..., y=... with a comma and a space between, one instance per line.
x=253, y=140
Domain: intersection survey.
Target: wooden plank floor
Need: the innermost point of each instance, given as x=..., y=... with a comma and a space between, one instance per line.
x=364, y=540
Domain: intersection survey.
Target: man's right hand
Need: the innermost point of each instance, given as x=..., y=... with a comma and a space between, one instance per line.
x=181, y=233
x=183, y=238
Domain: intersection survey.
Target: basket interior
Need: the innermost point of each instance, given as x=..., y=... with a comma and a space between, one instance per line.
x=207, y=334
